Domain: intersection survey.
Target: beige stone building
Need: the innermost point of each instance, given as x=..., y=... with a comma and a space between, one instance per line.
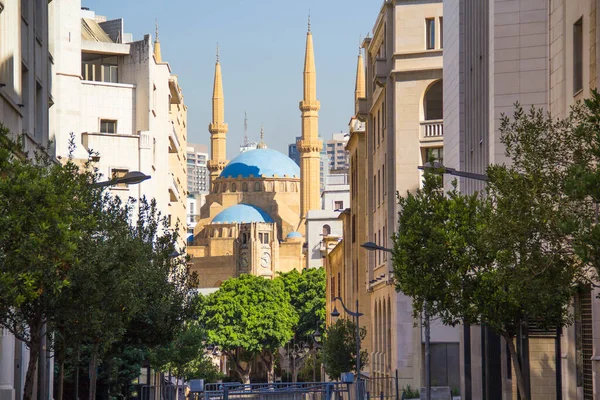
x=398, y=124
x=253, y=220
x=540, y=53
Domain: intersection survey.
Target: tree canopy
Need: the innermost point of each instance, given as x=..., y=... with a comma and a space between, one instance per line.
x=249, y=316
x=339, y=348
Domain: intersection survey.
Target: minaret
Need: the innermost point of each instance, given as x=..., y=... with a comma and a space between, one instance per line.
x=310, y=145
x=359, y=88
x=157, y=55
x=218, y=127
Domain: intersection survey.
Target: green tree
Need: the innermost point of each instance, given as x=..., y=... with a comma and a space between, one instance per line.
x=339, y=348
x=44, y=209
x=307, y=296
x=503, y=259
x=249, y=317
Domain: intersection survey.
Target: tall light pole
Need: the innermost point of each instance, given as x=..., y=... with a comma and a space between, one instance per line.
x=335, y=313
x=130, y=178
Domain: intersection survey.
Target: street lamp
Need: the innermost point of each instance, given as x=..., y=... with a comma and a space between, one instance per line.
x=299, y=351
x=335, y=313
x=130, y=178
x=451, y=171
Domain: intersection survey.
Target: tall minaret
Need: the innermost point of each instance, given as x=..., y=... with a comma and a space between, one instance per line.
x=218, y=127
x=360, y=88
x=157, y=54
x=310, y=145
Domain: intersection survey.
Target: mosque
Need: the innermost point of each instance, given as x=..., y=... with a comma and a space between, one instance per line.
x=254, y=218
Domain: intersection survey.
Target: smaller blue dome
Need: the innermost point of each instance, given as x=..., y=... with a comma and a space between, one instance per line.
x=294, y=235
x=241, y=213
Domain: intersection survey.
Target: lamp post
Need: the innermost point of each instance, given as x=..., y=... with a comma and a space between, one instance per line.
x=316, y=337
x=130, y=178
x=335, y=313
x=299, y=351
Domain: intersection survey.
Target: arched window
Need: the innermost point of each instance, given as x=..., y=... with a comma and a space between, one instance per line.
x=433, y=102
x=245, y=187
x=244, y=238
x=293, y=187
x=224, y=187
x=270, y=186
x=216, y=187
x=282, y=186
x=326, y=230
x=257, y=187
x=233, y=187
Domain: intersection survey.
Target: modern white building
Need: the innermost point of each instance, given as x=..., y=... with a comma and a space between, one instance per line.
x=119, y=99
x=339, y=159
x=198, y=176
x=26, y=57
x=326, y=222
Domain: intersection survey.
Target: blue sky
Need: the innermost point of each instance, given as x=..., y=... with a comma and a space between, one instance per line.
x=262, y=55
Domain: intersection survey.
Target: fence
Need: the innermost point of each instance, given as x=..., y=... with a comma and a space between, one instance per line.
x=274, y=391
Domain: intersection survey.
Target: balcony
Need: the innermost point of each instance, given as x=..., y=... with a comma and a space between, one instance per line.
x=174, y=145
x=432, y=130
x=173, y=189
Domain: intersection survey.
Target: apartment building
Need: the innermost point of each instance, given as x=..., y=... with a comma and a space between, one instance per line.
x=26, y=63
x=119, y=99
x=336, y=151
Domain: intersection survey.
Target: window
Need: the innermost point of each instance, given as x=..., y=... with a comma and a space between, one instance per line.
x=353, y=228
x=338, y=205
x=233, y=187
x=441, y=32
x=282, y=187
x=39, y=111
x=99, y=68
x=326, y=230
x=263, y=238
x=339, y=285
x=245, y=187
x=435, y=153
x=119, y=173
x=430, y=28
x=384, y=244
x=578, y=56
x=108, y=126
x=332, y=288
x=257, y=187
x=379, y=187
x=383, y=183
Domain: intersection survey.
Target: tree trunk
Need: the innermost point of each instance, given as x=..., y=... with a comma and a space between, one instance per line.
x=270, y=366
x=515, y=360
x=61, y=374
x=176, y=388
x=34, y=355
x=77, y=374
x=93, y=361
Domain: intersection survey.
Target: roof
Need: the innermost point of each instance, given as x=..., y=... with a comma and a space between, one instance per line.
x=261, y=163
x=293, y=235
x=92, y=31
x=241, y=213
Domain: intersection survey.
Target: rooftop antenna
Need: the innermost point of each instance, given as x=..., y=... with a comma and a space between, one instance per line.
x=246, y=142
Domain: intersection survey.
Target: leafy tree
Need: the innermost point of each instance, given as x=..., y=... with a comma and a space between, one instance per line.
x=249, y=317
x=307, y=296
x=583, y=179
x=44, y=209
x=339, y=348
x=504, y=259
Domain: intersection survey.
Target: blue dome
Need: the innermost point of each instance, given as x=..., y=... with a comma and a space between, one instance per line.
x=294, y=235
x=241, y=213
x=261, y=162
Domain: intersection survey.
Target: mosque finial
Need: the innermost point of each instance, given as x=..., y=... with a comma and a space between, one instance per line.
x=262, y=144
x=360, y=40
x=309, y=20
x=156, y=31
x=217, y=52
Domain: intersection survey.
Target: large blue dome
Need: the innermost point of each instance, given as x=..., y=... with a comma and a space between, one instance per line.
x=241, y=213
x=261, y=162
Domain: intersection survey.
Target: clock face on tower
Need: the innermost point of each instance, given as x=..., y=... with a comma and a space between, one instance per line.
x=265, y=260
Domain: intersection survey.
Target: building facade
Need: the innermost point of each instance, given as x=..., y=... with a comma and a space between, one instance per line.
x=26, y=97
x=336, y=151
x=198, y=177
x=121, y=100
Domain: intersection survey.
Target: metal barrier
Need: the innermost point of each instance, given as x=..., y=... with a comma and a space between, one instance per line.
x=277, y=391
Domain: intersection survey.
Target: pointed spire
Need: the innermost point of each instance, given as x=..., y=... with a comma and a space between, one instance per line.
x=360, y=87
x=262, y=144
x=218, y=101
x=157, y=54
x=310, y=78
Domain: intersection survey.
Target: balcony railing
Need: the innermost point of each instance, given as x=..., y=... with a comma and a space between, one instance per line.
x=432, y=129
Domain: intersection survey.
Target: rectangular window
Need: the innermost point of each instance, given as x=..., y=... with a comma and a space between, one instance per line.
x=119, y=173
x=108, y=126
x=441, y=32
x=263, y=238
x=578, y=56
x=332, y=288
x=430, y=32
x=338, y=205
x=339, y=284
x=39, y=111
x=99, y=68
x=353, y=228
x=384, y=244
x=383, y=182
x=378, y=187
x=379, y=244
x=435, y=153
